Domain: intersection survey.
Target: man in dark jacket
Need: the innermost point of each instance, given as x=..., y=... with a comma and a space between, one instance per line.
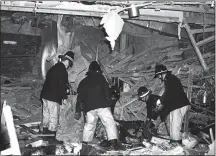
x=94, y=98
x=174, y=100
x=152, y=102
x=54, y=91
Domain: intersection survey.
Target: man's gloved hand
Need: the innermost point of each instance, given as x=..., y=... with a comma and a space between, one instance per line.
x=77, y=116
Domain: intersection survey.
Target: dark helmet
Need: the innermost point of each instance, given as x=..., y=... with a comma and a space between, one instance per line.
x=94, y=67
x=68, y=56
x=160, y=69
x=143, y=91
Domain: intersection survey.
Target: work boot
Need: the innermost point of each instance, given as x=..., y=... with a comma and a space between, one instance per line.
x=115, y=145
x=53, y=139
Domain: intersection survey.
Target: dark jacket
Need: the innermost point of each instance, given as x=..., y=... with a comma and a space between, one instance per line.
x=151, y=106
x=56, y=84
x=93, y=93
x=174, y=96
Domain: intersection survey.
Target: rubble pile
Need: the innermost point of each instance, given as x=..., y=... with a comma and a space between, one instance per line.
x=23, y=95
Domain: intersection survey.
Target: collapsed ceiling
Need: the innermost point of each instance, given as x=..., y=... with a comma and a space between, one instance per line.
x=153, y=14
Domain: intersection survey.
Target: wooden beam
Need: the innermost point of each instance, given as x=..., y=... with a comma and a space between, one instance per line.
x=181, y=8
x=197, y=31
x=199, y=55
x=207, y=40
x=167, y=28
x=51, y=10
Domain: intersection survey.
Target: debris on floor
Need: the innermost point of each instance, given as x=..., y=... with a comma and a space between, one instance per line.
x=136, y=137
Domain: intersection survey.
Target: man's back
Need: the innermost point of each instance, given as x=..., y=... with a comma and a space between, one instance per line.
x=94, y=92
x=54, y=88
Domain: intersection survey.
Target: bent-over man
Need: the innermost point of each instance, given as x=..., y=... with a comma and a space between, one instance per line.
x=94, y=97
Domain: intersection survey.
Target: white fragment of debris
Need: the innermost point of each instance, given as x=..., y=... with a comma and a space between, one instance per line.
x=77, y=148
x=113, y=24
x=32, y=124
x=212, y=4
x=157, y=141
x=189, y=142
x=146, y=144
x=39, y=143
x=211, y=149
x=10, y=42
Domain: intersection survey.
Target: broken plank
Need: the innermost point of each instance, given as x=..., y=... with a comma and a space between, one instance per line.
x=199, y=55
x=139, y=58
x=197, y=31
x=121, y=53
x=129, y=102
x=207, y=40
x=160, y=46
x=134, y=114
x=120, y=64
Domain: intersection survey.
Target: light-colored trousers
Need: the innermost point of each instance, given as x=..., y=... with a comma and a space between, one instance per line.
x=174, y=122
x=50, y=115
x=106, y=118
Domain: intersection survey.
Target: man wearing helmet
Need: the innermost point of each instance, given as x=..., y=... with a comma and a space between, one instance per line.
x=174, y=100
x=152, y=102
x=54, y=91
x=94, y=98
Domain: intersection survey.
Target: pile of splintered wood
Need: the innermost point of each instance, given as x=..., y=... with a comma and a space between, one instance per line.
x=138, y=70
x=22, y=95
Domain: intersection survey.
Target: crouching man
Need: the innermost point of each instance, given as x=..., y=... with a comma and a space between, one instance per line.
x=94, y=99
x=54, y=91
x=153, y=104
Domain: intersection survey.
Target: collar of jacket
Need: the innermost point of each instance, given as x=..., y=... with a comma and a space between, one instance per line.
x=62, y=64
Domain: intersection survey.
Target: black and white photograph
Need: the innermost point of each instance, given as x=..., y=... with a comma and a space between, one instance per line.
x=107, y=77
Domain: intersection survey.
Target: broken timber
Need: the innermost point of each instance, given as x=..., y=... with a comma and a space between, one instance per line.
x=199, y=55
x=196, y=31
x=207, y=40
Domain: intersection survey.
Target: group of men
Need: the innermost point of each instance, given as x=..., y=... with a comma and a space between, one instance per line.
x=94, y=100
